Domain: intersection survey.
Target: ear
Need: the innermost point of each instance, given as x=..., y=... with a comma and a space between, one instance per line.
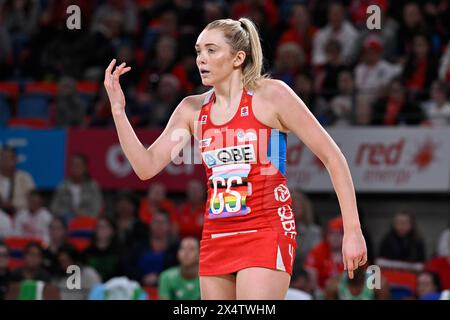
x=239, y=59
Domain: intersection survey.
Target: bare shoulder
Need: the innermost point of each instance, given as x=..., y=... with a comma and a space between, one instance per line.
x=268, y=99
x=191, y=106
x=273, y=89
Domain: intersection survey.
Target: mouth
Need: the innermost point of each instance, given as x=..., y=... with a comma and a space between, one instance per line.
x=204, y=72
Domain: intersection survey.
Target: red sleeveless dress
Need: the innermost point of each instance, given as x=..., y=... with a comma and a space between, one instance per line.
x=248, y=219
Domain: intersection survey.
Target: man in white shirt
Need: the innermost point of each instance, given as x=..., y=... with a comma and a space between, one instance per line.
x=337, y=29
x=6, y=227
x=14, y=184
x=374, y=73
x=35, y=221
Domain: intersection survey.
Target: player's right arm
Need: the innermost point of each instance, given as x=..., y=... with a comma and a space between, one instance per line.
x=147, y=162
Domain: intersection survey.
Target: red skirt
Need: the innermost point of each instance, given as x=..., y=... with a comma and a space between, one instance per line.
x=230, y=252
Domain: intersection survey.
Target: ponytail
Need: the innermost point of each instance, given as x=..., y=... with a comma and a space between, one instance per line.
x=242, y=35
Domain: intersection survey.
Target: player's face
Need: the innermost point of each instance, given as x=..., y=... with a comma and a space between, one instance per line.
x=214, y=57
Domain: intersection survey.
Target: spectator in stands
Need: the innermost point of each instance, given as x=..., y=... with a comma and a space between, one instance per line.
x=387, y=34
x=156, y=198
x=163, y=61
x=103, y=253
x=343, y=105
x=15, y=184
x=190, y=214
x=396, y=108
x=6, y=225
x=101, y=116
x=303, y=87
x=443, y=244
x=5, y=273
x=444, y=68
x=147, y=259
x=437, y=109
x=421, y=67
x=441, y=266
x=21, y=19
x=33, y=222
x=289, y=62
x=309, y=233
x=33, y=268
x=340, y=287
x=300, y=30
x=325, y=259
x=126, y=7
x=300, y=287
x=89, y=278
x=428, y=286
x=326, y=82
x=373, y=73
x=70, y=109
x=412, y=24
x=338, y=29
x=165, y=100
x=101, y=43
x=129, y=228
x=182, y=282
x=78, y=195
x=57, y=239
x=403, y=242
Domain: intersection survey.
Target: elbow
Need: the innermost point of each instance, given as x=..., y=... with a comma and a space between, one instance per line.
x=335, y=158
x=144, y=175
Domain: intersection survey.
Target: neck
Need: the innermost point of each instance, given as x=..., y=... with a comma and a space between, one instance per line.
x=189, y=272
x=229, y=88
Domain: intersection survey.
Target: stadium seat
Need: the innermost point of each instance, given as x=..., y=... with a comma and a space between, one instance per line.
x=33, y=123
x=401, y=292
x=9, y=89
x=16, y=246
x=81, y=231
x=88, y=91
x=34, y=106
x=43, y=88
x=405, y=279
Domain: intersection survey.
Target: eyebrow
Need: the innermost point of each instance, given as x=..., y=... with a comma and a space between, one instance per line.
x=206, y=44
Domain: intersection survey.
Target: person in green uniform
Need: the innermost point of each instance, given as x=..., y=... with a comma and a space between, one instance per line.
x=182, y=282
x=343, y=288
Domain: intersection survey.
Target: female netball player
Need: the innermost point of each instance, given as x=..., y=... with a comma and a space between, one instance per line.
x=248, y=243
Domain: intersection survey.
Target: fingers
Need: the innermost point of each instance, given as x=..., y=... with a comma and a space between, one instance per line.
x=363, y=260
x=125, y=70
x=110, y=67
x=350, y=268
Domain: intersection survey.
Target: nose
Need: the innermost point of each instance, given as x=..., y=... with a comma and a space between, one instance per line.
x=201, y=59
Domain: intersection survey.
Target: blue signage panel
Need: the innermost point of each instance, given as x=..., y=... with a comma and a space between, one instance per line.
x=40, y=152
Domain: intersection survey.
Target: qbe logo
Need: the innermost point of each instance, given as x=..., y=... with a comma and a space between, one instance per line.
x=237, y=154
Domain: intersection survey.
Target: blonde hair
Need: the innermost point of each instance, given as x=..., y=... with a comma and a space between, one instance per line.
x=242, y=35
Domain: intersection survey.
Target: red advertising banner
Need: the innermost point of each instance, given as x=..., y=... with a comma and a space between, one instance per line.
x=111, y=169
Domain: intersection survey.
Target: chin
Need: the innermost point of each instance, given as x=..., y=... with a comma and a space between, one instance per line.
x=207, y=83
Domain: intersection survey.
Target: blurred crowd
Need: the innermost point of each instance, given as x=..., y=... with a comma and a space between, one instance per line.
x=344, y=72
x=145, y=246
